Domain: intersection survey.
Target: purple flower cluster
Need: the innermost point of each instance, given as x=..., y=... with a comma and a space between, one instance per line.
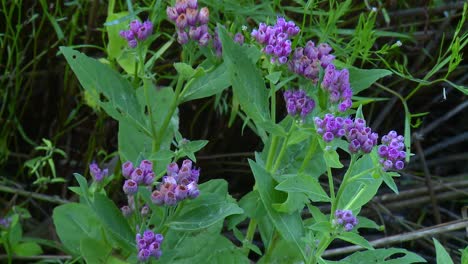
x=5, y=222
x=97, y=173
x=138, y=32
x=309, y=60
x=149, y=245
x=276, y=38
x=298, y=103
x=346, y=218
x=336, y=82
x=141, y=175
x=178, y=185
x=392, y=151
x=330, y=127
x=238, y=38
x=359, y=136
x=191, y=23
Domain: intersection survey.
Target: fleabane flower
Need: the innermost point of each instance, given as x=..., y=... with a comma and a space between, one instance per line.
x=298, y=103
x=391, y=152
x=276, y=39
x=346, y=219
x=179, y=184
x=309, y=60
x=336, y=83
x=97, y=173
x=149, y=245
x=137, y=32
x=190, y=21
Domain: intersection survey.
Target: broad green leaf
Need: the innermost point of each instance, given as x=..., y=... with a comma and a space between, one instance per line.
x=74, y=222
x=207, y=85
x=305, y=184
x=27, y=249
x=94, y=251
x=355, y=239
x=252, y=206
x=361, y=79
x=282, y=253
x=272, y=128
x=317, y=215
x=298, y=136
x=15, y=233
x=442, y=255
x=247, y=81
x=116, y=95
x=332, y=159
x=274, y=77
x=464, y=257
x=203, y=248
x=323, y=226
x=294, y=203
x=161, y=155
x=364, y=222
x=204, y=211
x=381, y=256
x=288, y=225
x=184, y=70
x=114, y=222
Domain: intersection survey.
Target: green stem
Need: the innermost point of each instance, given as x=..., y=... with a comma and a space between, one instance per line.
x=168, y=117
x=250, y=234
x=271, y=152
x=283, y=147
x=332, y=191
x=309, y=154
x=272, y=95
x=355, y=198
x=150, y=112
x=324, y=243
x=343, y=185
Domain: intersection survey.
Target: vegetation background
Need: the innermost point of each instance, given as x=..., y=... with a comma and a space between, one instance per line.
x=49, y=129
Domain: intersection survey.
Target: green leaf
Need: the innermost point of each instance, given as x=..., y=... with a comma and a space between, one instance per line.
x=185, y=71
x=364, y=222
x=381, y=256
x=361, y=79
x=274, y=77
x=83, y=187
x=27, y=249
x=305, y=184
x=74, y=222
x=204, y=248
x=332, y=159
x=288, y=225
x=114, y=222
x=207, y=85
x=294, y=203
x=94, y=251
x=355, y=239
x=272, y=128
x=212, y=206
x=298, y=136
x=163, y=154
x=316, y=213
x=116, y=95
x=247, y=81
x=323, y=227
x=443, y=256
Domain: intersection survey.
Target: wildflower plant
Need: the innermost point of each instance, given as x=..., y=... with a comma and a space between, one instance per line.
x=166, y=213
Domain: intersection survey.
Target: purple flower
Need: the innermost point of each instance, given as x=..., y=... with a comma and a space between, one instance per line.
x=138, y=175
x=148, y=245
x=130, y=187
x=276, y=38
x=298, y=103
x=126, y=210
x=336, y=82
x=139, y=31
x=5, y=222
x=97, y=173
x=145, y=210
x=392, y=152
x=127, y=169
x=191, y=23
x=346, y=219
x=360, y=137
x=309, y=60
x=157, y=197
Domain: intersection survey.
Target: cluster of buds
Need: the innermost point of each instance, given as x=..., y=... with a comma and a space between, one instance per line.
x=141, y=175
x=330, y=127
x=309, y=60
x=298, y=103
x=276, y=38
x=336, y=82
x=191, y=23
x=149, y=245
x=5, y=222
x=359, y=136
x=138, y=32
x=178, y=185
x=346, y=219
x=238, y=38
x=392, y=151
x=97, y=173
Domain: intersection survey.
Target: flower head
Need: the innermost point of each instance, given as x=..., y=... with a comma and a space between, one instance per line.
x=307, y=61
x=149, y=245
x=391, y=152
x=137, y=32
x=346, y=219
x=97, y=173
x=298, y=103
x=336, y=83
